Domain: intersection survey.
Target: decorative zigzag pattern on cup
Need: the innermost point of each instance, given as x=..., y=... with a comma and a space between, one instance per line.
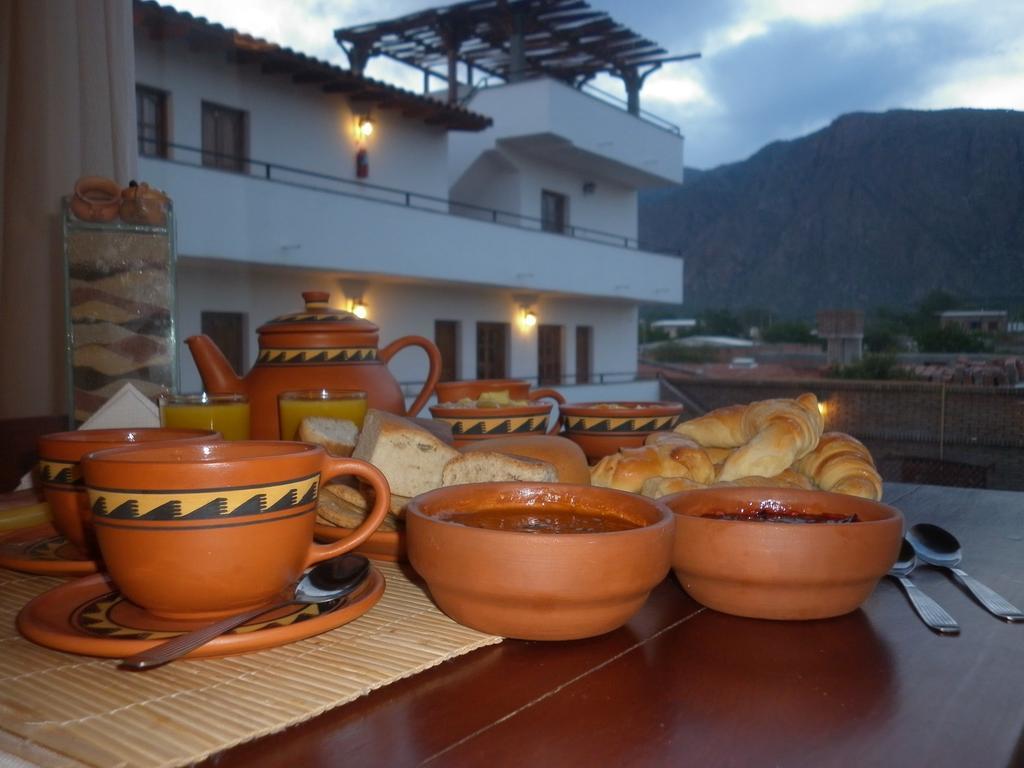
x=63, y=473
x=517, y=426
x=593, y=424
x=214, y=503
x=316, y=356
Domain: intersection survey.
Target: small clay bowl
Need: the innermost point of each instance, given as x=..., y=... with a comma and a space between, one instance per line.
x=775, y=570
x=531, y=585
x=470, y=424
x=601, y=429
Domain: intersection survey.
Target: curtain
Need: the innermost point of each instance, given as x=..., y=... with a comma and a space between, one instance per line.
x=67, y=103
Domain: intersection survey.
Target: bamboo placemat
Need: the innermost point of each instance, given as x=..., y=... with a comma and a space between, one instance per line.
x=67, y=710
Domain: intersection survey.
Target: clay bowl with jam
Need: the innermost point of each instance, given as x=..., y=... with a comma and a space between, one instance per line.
x=539, y=561
x=601, y=429
x=471, y=423
x=782, y=553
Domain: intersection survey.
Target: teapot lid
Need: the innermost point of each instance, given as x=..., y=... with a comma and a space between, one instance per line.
x=318, y=316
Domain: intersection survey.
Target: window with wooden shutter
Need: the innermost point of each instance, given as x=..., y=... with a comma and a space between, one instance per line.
x=549, y=354
x=492, y=350
x=224, y=137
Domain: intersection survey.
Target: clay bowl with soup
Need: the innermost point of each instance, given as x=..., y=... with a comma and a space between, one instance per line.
x=601, y=429
x=773, y=553
x=539, y=561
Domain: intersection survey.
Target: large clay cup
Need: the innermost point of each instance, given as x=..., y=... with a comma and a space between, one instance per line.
x=60, y=456
x=203, y=531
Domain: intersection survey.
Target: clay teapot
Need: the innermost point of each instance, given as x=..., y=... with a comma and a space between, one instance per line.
x=316, y=348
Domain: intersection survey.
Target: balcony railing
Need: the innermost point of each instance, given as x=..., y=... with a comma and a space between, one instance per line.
x=181, y=154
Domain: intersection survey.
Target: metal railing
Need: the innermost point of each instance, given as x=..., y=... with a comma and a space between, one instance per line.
x=279, y=173
x=411, y=388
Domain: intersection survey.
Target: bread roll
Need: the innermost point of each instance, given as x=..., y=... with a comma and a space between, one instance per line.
x=410, y=457
x=338, y=436
x=568, y=458
x=336, y=511
x=656, y=487
x=493, y=467
x=630, y=467
x=842, y=464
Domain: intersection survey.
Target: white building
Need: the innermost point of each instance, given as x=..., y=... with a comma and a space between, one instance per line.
x=468, y=218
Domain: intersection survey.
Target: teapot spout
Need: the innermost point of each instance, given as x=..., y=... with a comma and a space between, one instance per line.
x=216, y=372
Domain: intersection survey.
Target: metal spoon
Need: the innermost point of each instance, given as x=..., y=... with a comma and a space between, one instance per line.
x=937, y=546
x=931, y=613
x=327, y=581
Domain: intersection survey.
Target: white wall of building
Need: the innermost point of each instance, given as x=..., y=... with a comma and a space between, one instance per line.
x=229, y=216
x=555, y=118
x=291, y=124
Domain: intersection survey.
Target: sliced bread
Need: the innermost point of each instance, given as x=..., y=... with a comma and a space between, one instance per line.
x=338, y=436
x=410, y=457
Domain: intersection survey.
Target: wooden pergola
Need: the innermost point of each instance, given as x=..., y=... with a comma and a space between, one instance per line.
x=512, y=40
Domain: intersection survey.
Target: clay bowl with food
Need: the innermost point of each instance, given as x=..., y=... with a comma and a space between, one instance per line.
x=471, y=422
x=601, y=429
x=773, y=553
x=539, y=561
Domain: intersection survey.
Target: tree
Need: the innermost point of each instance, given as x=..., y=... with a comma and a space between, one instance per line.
x=794, y=332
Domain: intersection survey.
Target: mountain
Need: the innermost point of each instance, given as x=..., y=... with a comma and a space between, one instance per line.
x=877, y=209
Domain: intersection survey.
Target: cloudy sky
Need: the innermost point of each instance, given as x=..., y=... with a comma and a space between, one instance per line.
x=770, y=69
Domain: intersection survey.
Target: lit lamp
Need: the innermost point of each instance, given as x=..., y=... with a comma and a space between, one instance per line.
x=823, y=408
x=354, y=290
x=364, y=127
x=527, y=316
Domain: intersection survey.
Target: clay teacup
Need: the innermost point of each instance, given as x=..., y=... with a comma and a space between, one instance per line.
x=96, y=199
x=203, y=531
x=61, y=474
x=539, y=561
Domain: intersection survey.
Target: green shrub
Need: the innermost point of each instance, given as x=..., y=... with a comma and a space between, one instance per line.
x=871, y=367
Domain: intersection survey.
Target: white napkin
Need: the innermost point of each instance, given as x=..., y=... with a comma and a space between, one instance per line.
x=127, y=407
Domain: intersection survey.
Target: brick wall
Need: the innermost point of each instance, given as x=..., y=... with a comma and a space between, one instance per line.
x=960, y=432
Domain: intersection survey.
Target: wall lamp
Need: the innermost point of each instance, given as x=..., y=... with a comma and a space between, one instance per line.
x=527, y=314
x=364, y=127
x=354, y=290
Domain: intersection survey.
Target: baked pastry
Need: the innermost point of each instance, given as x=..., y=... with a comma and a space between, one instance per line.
x=493, y=467
x=768, y=435
x=630, y=467
x=842, y=464
x=410, y=457
x=568, y=458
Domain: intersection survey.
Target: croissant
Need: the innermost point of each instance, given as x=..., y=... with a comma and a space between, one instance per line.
x=721, y=428
x=780, y=432
x=842, y=464
x=630, y=467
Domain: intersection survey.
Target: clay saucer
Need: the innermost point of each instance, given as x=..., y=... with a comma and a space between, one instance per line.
x=382, y=545
x=89, y=616
x=41, y=550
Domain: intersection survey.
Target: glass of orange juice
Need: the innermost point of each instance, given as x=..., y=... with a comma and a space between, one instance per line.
x=227, y=414
x=294, y=406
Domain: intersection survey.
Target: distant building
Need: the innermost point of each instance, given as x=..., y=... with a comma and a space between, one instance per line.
x=975, y=320
x=675, y=327
x=843, y=331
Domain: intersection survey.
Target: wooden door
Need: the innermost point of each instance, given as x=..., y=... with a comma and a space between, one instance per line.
x=584, y=353
x=446, y=336
x=492, y=350
x=549, y=354
x=227, y=329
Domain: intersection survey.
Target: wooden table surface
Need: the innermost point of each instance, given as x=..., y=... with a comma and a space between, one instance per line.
x=684, y=685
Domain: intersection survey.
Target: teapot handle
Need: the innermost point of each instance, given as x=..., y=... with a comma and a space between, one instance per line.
x=537, y=394
x=433, y=355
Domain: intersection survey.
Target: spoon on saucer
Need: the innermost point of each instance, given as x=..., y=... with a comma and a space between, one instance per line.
x=930, y=612
x=330, y=580
x=937, y=546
